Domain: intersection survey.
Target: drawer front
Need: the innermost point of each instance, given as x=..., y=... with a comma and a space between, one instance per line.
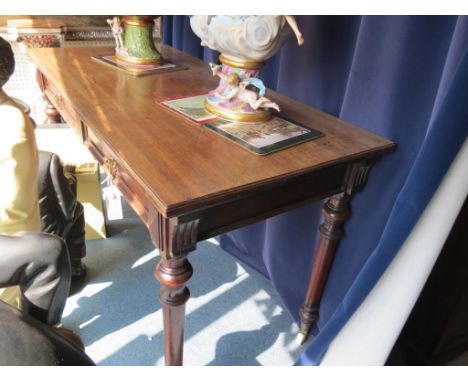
x=118, y=173
x=63, y=106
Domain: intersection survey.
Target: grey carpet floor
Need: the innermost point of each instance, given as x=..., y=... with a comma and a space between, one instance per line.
x=233, y=316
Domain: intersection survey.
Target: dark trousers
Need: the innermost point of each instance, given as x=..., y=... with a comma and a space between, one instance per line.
x=61, y=213
x=40, y=265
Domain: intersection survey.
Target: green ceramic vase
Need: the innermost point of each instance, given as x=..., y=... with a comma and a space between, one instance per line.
x=138, y=40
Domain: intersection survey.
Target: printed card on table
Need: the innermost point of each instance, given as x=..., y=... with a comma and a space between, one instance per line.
x=192, y=107
x=264, y=137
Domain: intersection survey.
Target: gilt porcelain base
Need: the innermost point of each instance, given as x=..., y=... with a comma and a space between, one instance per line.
x=235, y=109
x=240, y=112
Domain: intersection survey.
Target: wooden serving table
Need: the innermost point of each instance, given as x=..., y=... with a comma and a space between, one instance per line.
x=187, y=183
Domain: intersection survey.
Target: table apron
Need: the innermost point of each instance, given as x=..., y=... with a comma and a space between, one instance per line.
x=268, y=201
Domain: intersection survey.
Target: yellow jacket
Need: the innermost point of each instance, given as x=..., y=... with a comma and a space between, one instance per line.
x=19, y=205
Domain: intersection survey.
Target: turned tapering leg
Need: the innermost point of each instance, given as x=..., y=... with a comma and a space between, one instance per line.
x=335, y=212
x=173, y=275
x=175, y=240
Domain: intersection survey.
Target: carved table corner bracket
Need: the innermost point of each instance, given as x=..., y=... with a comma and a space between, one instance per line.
x=172, y=237
x=356, y=176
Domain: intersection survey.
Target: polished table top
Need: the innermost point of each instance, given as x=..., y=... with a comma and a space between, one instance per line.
x=183, y=165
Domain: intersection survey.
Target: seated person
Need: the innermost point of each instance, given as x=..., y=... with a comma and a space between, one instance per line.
x=40, y=265
x=53, y=207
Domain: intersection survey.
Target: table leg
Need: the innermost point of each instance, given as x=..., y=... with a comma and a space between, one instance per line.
x=173, y=274
x=175, y=240
x=335, y=212
x=50, y=110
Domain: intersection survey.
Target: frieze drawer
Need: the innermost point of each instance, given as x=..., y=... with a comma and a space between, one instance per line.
x=118, y=173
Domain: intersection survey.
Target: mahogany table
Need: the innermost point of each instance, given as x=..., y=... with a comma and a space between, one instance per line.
x=187, y=183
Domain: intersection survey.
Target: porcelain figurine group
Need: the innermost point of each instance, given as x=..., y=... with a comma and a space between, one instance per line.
x=236, y=88
x=117, y=32
x=245, y=43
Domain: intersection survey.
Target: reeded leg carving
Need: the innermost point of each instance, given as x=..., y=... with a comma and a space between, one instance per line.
x=335, y=212
x=175, y=240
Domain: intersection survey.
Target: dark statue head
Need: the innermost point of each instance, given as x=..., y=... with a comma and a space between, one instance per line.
x=7, y=62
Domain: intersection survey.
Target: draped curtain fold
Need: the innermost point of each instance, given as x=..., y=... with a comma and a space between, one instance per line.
x=402, y=77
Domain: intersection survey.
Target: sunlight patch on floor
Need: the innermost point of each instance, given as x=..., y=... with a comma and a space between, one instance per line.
x=119, y=339
x=88, y=291
x=90, y=321
x=144, y=259
x=213, y=241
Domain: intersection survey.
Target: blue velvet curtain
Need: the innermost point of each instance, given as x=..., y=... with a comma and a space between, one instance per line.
x=402, y=77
